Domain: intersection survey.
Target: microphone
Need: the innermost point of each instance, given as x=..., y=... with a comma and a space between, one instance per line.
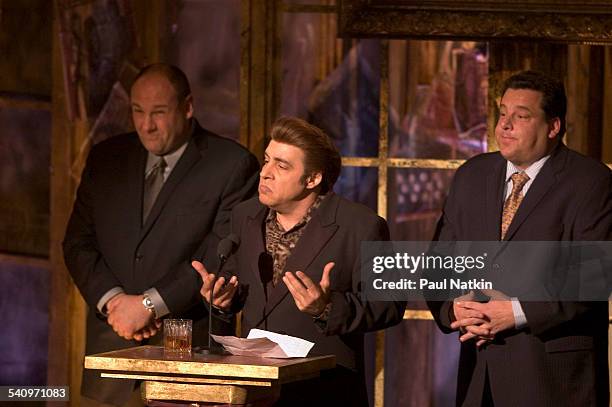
x=225, y=249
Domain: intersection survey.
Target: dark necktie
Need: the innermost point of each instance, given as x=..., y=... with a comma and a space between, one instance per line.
x=519, y=179
x=153, y=184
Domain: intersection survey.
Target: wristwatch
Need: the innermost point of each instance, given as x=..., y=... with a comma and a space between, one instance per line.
x=148, y=303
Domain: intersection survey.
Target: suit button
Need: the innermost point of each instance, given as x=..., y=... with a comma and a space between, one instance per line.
x=138, y=257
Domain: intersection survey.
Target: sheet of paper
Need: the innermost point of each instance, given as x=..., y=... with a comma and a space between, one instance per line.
x=265, y=344
x=292, y=346
x=250, y=347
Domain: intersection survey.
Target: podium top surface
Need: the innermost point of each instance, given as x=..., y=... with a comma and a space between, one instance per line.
x=151, y=359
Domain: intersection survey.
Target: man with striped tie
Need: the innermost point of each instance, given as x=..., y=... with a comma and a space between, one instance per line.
x=148, y=203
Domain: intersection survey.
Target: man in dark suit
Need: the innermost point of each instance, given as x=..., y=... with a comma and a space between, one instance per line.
x=516, y=352
x=148, y=203
x=299, y=259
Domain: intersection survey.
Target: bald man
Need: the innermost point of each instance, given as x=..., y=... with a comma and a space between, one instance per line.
x=149, y=202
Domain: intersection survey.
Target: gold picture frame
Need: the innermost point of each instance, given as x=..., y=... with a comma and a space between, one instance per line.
x=563, y=21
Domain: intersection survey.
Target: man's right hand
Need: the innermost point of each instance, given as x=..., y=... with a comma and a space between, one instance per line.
x=467, y=320
x=148, y=331
x=466, y=316
x=222, y=293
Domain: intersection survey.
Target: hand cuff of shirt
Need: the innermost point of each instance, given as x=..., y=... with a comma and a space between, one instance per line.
x=101, y=306
x=321, y=319
x=226, y=316
x=161, y=309
x=520, y=320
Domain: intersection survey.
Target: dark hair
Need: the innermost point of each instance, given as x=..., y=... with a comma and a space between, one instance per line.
x=320, y=153
x=175, y=76
x=554, y=101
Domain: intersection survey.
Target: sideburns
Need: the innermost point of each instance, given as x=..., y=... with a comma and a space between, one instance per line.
x=304, y=178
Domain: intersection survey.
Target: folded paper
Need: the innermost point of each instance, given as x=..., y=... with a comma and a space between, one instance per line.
x=265, y=344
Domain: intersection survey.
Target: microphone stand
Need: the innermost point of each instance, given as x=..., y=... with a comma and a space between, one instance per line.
x=224, y=250
x=210, y=350
x=265, y=264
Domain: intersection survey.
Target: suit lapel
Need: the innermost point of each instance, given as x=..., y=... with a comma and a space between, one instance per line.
x=494, y=200
x=193, y=153
x=544, y=181
x=318, y=232
x=253, y=239
x=131, y=189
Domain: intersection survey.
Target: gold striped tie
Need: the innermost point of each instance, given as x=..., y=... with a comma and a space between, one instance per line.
x=519, y=179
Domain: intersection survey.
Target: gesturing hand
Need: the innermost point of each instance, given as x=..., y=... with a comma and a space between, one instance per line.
x=222, y=293
x=309, y=297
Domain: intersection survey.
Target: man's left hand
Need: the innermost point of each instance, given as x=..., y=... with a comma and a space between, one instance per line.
x=309, y=297
x=127, y=315
x=499, y=317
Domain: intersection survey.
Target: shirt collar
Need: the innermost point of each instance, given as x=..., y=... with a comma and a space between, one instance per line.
x=532, y=171
x=172, y=158
x=271, y=217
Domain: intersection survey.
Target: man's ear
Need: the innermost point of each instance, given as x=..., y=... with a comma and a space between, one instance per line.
x=188, y=107
x=313, y=180
x=554, y=126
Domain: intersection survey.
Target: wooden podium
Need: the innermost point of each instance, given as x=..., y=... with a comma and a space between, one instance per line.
x=206, y=378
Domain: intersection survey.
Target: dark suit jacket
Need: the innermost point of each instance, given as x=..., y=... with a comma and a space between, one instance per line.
x=106, y=245
x=560, y=359
x=334, y=233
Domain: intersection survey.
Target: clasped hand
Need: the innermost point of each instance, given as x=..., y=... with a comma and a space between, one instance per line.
x=129, y=319
x=482, y=321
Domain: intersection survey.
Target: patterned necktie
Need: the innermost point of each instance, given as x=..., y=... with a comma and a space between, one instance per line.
x=519, y=179
x=153, y=184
